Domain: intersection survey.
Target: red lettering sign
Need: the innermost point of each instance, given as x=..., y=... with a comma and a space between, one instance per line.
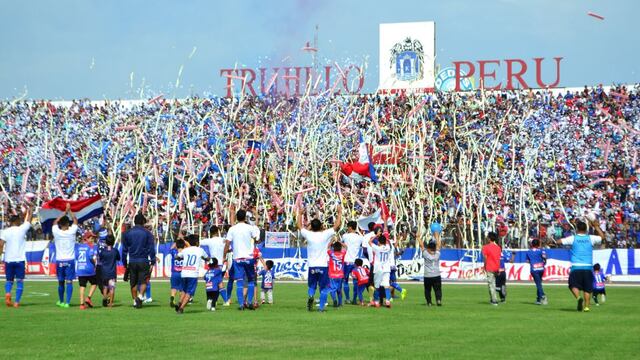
x=293, y=81
x=488, y=68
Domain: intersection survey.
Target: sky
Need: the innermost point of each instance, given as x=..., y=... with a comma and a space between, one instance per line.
x=68, y=49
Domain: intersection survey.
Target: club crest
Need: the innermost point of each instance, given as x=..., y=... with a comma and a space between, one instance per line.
x=408, y=58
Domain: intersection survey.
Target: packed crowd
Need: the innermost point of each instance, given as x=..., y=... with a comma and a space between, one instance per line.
x=520, y=163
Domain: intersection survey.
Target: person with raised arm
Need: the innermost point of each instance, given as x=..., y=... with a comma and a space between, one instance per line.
x=64, y=239
x=318, y=239
x=12, y=244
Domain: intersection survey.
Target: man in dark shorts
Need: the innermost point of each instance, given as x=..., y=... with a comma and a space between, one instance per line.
x=138, y=257
x=581, y=275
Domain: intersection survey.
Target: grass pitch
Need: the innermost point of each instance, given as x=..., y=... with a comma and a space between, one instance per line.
x=466, y=327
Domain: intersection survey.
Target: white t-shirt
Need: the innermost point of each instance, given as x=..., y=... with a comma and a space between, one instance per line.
x=65, y=241
x=15, y=238
x=216, y=247
x=193, y=258
x=241, y=236
x=317, y=243
x=354, y=243
x=382, y=255
x=365, y=244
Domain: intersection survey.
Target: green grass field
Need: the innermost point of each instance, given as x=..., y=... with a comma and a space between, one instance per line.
x=466, y=327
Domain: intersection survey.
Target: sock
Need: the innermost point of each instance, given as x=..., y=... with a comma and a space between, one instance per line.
x=355, y=290
x=376, y=295
x=323, y=298
x=387, y=293
x=61, y=291
x=148, y=291
x=173, y=298
x=381, y=293
x=69, y=292
x=19, y=288
x=339, y=297
x=215, y=298
x=7, y=287
x=225, y=297
x=251, y=292
x=311, y=292
x=345, y=288
x=230, y=287
x=239, y=286
x=396, y=286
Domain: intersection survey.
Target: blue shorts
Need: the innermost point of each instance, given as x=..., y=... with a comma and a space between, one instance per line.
x=243, y=269
x=14, y=270
x=436, y=228
x=348, y=268
x=318, y=277
x=66, y=270
x=189, y=285
x=336, y=285
x=176, y=281
x=392, y=276
x=231, y=273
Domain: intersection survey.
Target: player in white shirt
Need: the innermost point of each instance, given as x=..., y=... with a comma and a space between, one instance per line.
x=241, y=237
x=382, y=258
x=216, y=244
x=354, y=241
x=193, y=258
x=64, y=239
x=317, y=258
x=12, y=244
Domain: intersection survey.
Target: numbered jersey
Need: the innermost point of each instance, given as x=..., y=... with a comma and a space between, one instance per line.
x=382, y=257
x=336, y=264
x=192, y=261
x=361, y=274
x=84, y=260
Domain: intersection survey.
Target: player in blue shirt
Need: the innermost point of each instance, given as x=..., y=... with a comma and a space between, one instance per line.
x=268, y=276
x=581, y=275
x=537, y=259
x=599, y=279
x=86, y=269
x=176, y=271
x=213, y=283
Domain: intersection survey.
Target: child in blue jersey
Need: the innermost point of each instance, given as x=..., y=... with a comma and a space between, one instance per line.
x=86, y=269
x=176, y=271
x=599, y=279
x=537, y=258
x=213, y=283
x=102, y=233
x=109, y=257
x=266, y=287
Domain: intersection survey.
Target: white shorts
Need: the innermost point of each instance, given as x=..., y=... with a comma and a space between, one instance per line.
x=380, y=279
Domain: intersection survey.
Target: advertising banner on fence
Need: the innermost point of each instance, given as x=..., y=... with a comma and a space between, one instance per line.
x=407, y=56
x=455, y=264
x=276, y=240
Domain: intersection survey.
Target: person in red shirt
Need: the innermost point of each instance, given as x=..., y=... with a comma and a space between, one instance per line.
x=336, y=271
x=491, y=253
x=361, y=274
